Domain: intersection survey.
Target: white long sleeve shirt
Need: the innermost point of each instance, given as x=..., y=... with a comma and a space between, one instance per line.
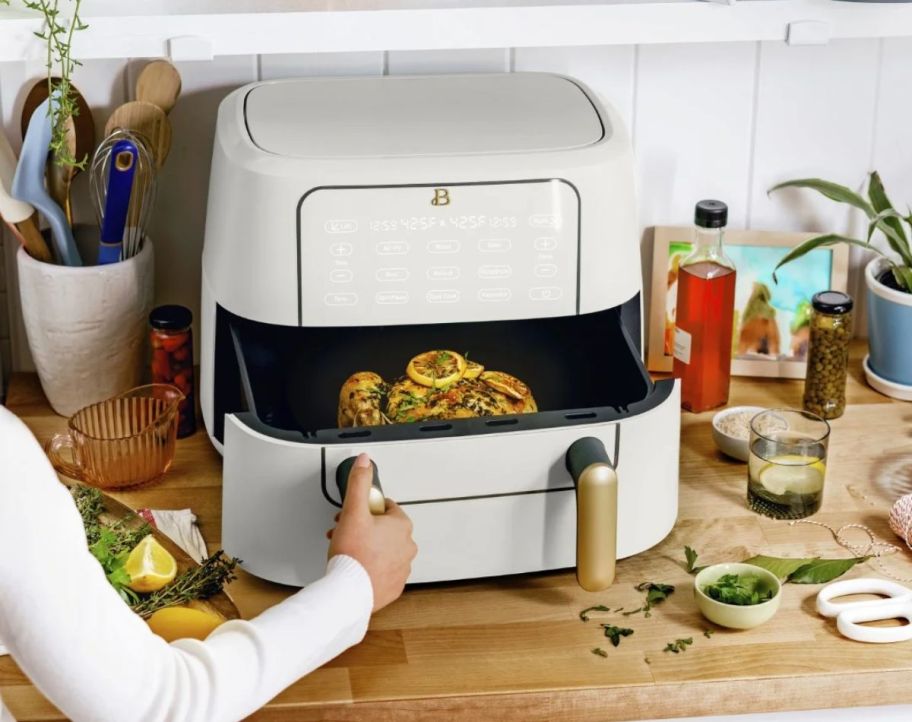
x=96, y=660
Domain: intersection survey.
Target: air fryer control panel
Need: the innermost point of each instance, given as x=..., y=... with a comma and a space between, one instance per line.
x=448, y=253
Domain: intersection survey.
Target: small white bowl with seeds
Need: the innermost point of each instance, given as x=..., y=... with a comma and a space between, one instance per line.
x=731, y=430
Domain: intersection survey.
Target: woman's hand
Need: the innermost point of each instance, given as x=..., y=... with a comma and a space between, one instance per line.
x=382, y=544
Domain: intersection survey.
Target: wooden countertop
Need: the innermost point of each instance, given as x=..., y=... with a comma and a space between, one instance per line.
x=515, y=649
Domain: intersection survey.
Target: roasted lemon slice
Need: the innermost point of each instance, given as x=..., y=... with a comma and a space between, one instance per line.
x=436, y=369
x=506, y=384
x=473, y=370
x=150, y=566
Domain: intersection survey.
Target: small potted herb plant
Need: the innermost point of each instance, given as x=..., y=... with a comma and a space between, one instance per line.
x=888, y=277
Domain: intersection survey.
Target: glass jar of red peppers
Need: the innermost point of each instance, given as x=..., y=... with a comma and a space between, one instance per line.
x=172, y=358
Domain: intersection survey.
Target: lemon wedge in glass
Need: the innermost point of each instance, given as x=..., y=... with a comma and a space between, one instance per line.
x=150, y=566
x=792, y=473
x=436, y=369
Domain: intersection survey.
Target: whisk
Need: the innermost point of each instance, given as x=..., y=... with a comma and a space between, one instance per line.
x=142, y=195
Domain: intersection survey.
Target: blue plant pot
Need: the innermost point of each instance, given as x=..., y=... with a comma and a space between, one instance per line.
x=889, y=327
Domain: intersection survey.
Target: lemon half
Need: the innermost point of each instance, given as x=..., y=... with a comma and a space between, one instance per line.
x=180, y=622
x=436, y=369
x=150, y=566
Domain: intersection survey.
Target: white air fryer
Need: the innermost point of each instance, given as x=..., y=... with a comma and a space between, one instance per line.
x=356, y=222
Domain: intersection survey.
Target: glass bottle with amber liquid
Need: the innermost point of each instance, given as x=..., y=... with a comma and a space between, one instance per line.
x=705, y=313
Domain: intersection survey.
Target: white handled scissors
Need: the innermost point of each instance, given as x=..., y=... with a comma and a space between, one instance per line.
x=849, y=615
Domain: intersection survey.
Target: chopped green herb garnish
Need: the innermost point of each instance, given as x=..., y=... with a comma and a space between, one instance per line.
x=691, y=559
x=739, y=589
x=584, y=615
x=679, y=645
x=599, y=652
x=708, y=633
x=655, y=594
x=615, y=633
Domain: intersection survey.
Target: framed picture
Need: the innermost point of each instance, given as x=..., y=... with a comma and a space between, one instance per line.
x=771, y=319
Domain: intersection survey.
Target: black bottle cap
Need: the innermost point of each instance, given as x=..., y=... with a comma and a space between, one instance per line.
x=171, y=318
x=711, y=214
x=832, y=302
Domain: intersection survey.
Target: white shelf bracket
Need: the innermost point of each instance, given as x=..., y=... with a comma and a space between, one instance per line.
x=190, y=47
x=808, y=32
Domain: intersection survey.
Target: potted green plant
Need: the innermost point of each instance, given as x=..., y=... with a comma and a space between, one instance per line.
x=888, y=277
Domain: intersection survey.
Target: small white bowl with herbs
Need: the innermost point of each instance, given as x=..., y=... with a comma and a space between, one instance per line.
x=737, y=595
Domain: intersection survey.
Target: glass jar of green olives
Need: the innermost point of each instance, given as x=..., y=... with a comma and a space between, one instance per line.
x=828, y=354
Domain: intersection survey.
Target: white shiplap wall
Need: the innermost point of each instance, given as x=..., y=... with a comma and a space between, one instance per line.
x=725, y=120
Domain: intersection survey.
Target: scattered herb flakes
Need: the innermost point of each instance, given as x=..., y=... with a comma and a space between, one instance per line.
x=615, y=633
x=708, y=633
x=619, y=609
x=584, y=615
x=679, y=645
x=646, y=659
x=599, y=652
x=742, y=590
x=691, y=561
x=655, y=594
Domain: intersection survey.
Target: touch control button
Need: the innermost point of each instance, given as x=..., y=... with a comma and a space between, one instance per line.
x=443, y=273
x=546, y=270
x=392, y=274
x=446, y=296
x=494, y=245
x=443, y=246
x=490, y=272
x=340, y=299
x=544, y=220
x=546, y=293
x=392, y=297
x=341, y=275
x=545, y=244
x=339, y=250
x=494, y=294
x=392, y=248
x=340, y=226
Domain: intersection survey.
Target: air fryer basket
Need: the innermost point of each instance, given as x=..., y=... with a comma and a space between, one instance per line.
x=580, y=368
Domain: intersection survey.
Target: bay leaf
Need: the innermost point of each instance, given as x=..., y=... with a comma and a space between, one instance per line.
x=821, y=571
x=782, y=567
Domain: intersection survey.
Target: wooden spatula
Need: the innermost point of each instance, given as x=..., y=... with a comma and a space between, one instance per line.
x=159, y=83
x=148, y=120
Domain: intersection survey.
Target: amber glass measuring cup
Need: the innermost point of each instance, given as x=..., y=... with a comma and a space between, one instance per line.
x=124, y=441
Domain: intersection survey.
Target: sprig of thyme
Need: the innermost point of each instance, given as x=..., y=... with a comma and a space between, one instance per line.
x=58, y=36
x=679, y=645
x=199, y=582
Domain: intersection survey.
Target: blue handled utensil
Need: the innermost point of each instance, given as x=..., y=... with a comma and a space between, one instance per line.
x=28, y=183
x=122, y=168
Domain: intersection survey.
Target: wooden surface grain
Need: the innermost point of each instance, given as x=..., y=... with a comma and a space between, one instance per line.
x=514, y=648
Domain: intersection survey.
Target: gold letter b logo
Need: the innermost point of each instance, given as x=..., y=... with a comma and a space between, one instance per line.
x=441, y=197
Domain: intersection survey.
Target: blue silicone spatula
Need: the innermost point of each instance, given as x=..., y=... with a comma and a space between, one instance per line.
x=28, y=183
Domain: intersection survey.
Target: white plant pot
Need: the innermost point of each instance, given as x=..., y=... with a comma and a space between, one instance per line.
x=87, y=326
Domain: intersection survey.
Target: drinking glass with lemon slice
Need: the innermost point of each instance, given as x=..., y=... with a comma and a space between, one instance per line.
x=787, y=464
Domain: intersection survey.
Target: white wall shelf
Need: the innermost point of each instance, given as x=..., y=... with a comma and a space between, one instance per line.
x=203, y=29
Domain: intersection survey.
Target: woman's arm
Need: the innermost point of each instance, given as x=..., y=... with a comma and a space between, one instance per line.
x=96, y=660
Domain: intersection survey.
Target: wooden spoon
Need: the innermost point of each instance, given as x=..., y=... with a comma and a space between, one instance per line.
x=159, y=83
x=80, y=133
x=148, y=120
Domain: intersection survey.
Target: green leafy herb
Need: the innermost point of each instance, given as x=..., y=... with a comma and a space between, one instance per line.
x=691, y=556
x=679, y=645
x=615, y=633
x=655, y=594
x=58, y=37
x=708, y=633
x=584, y=615
x=821, y=571
x=599, y=652
x=199, y=582
x=782, y=567
x=619, y=609
x=742, y=590
x=805, y=571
